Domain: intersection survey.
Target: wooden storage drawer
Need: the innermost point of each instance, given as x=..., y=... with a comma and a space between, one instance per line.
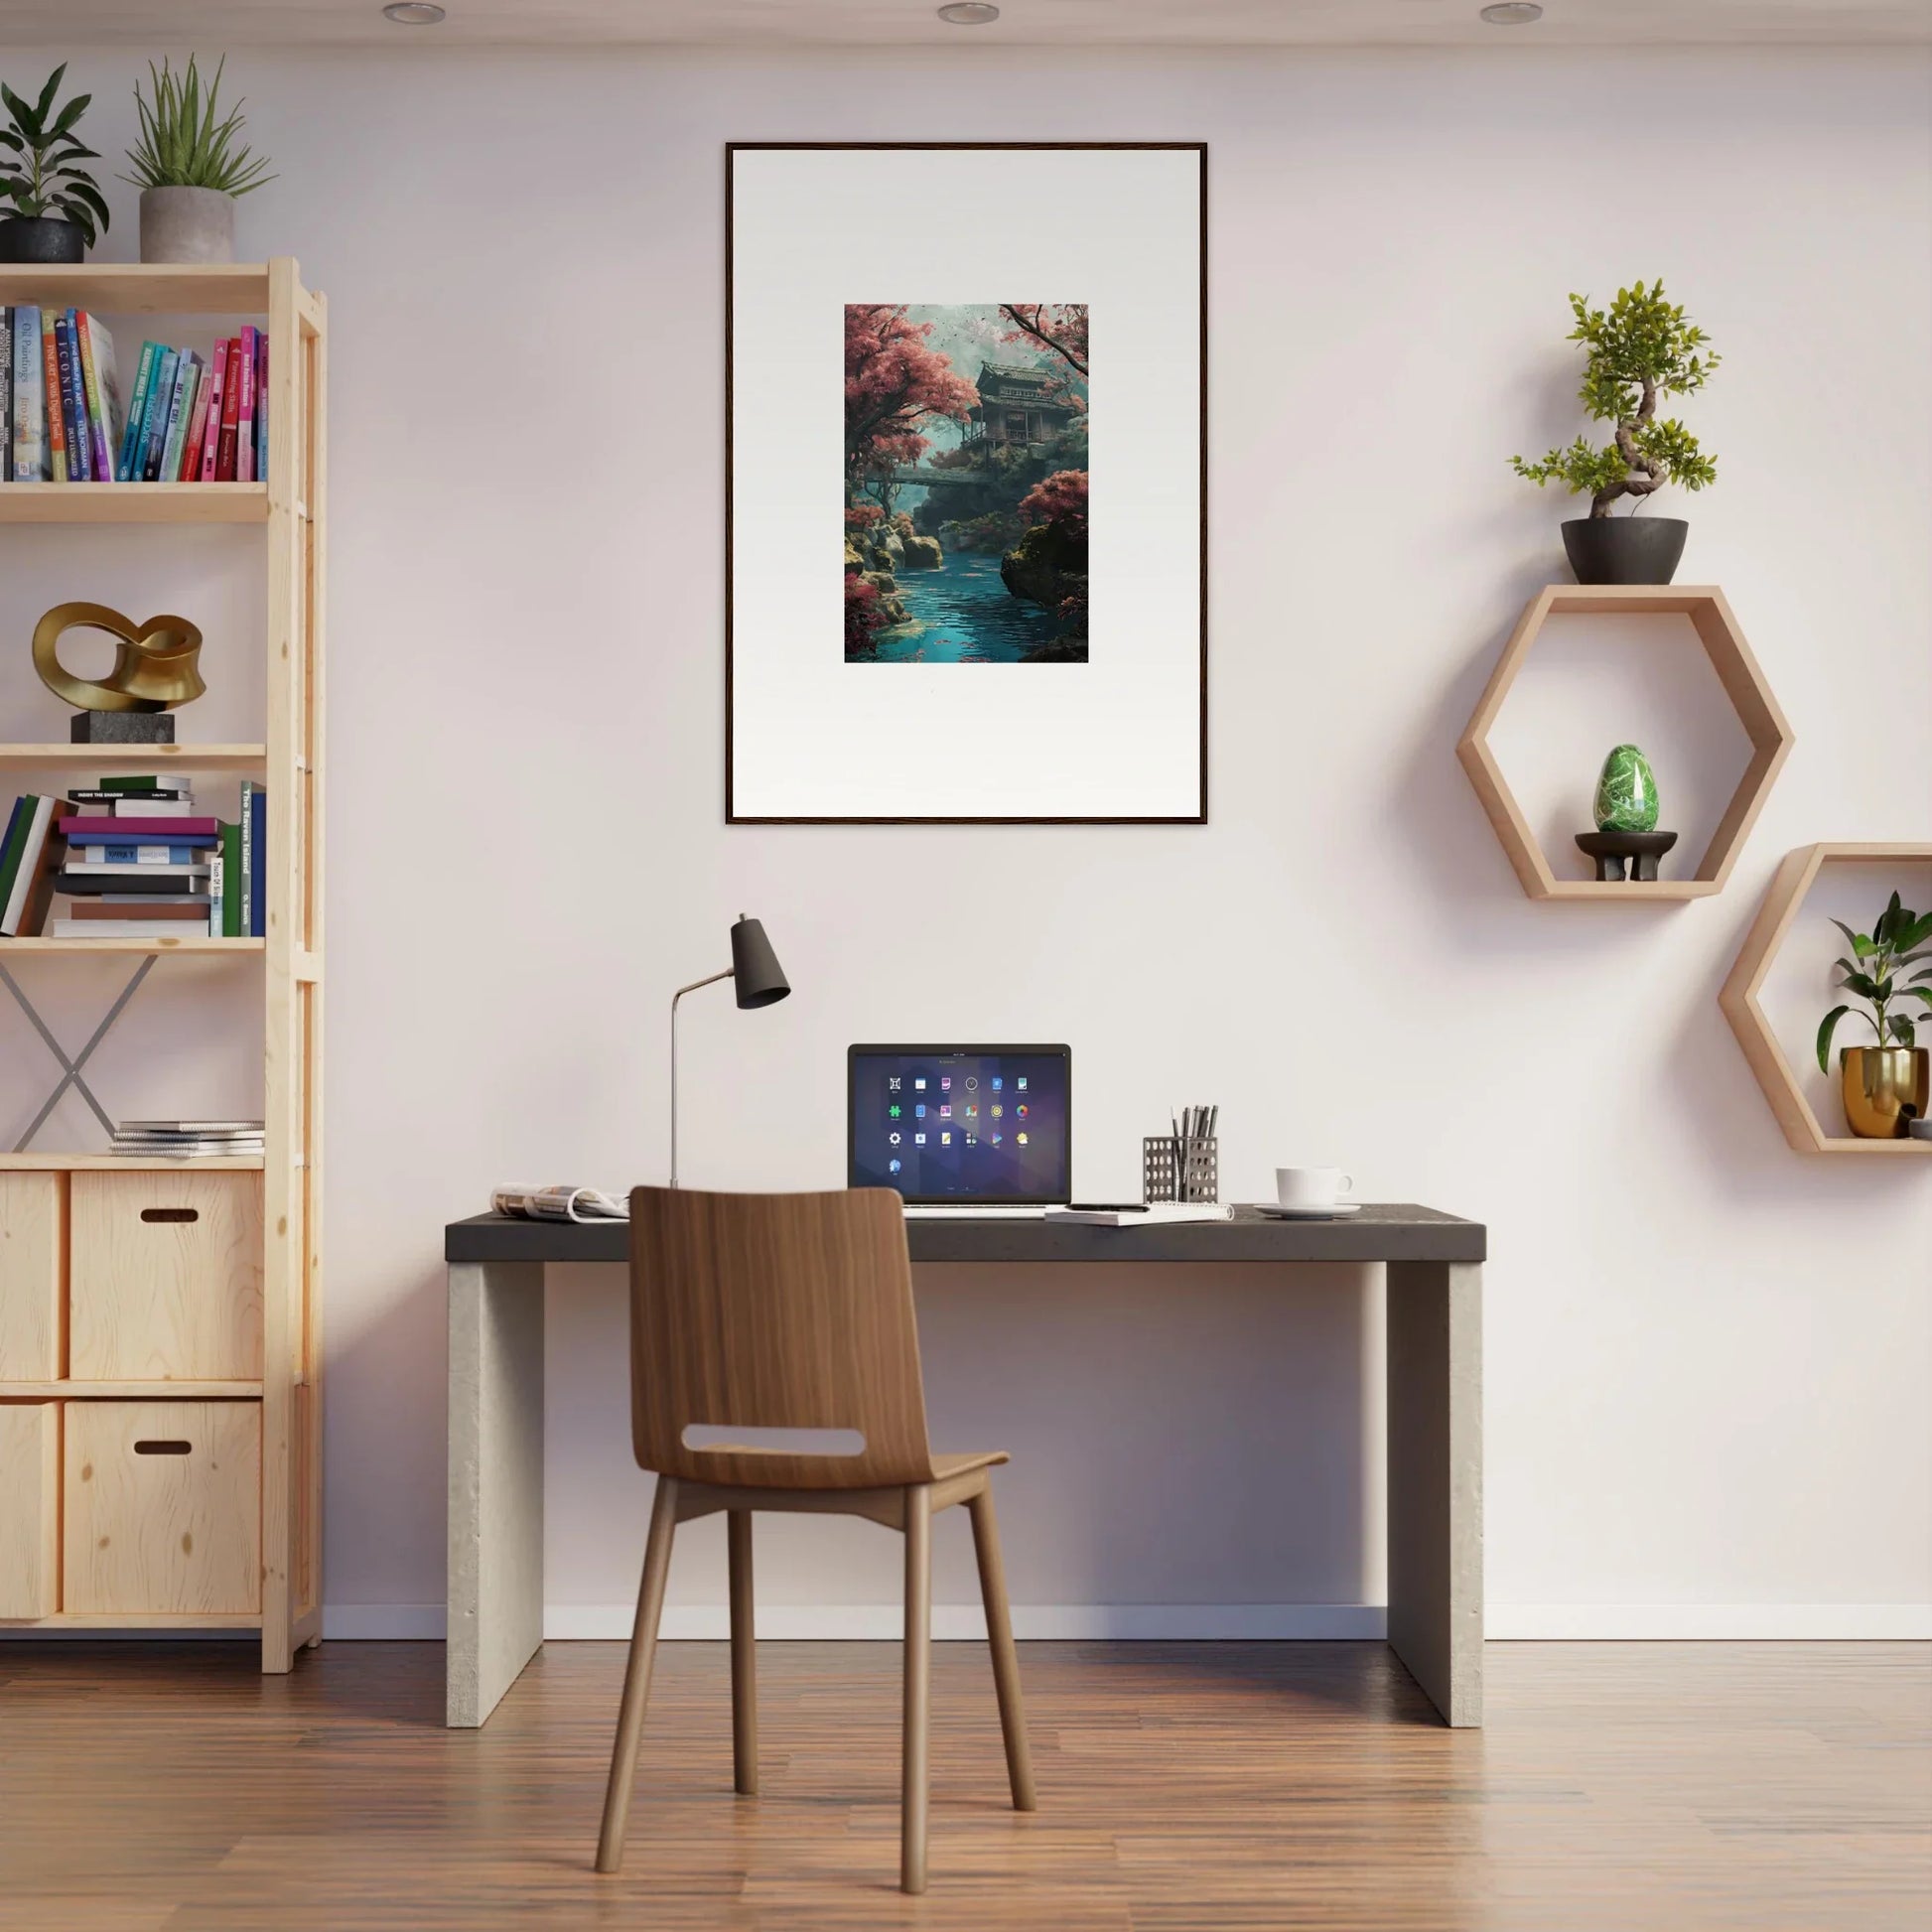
x=30, y=1508
x=166, y=1277
x=163, y=1508
x=33, y=1244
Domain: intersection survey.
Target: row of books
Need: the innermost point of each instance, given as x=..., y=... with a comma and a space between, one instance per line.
x=189, y=1140
x=188, y=419
x=135, y=861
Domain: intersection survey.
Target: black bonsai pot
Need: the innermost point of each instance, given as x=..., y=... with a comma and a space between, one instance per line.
x=40, y=239
x=1624, y=549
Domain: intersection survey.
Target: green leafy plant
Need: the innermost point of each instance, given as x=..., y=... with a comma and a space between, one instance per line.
x=38, y=150
x=182, y=145
x=1639, y=350
x=1897, y=941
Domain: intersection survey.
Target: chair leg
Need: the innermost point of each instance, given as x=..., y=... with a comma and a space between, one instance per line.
x=636, y=1676
x=745, y=1679
x=919, y=1687
x=1006, y=1660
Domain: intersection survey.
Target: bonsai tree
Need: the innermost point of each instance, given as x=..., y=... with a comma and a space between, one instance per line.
x=38, y=150
x=1897, y=941
x=1639, y=350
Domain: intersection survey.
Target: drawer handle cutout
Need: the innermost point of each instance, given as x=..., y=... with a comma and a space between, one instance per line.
x=163, y=1446
x=171, y=1213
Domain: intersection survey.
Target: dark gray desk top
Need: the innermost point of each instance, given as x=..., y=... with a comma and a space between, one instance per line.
x=1393, y=1231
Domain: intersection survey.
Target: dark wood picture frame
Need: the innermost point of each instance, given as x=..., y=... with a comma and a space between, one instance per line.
x=735, y=148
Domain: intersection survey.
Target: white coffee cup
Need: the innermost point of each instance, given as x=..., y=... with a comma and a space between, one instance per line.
x=1311, y=1186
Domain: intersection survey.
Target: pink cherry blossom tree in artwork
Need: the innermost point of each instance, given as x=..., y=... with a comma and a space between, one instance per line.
x=1060, y=498
x=896, y=383
x=1059, y=328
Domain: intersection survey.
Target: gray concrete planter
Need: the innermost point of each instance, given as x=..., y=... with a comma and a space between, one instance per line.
x=187, y=225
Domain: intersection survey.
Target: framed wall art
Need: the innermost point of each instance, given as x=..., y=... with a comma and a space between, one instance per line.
x=966, y=483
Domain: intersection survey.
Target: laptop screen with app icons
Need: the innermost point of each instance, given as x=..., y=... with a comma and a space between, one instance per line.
x=965, y=1124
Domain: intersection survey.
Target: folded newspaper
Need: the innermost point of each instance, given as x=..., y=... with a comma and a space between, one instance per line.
x=558, y=1204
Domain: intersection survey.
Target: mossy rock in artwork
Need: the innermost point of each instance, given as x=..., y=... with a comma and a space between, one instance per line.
x=1626, y=792
x=922, y=553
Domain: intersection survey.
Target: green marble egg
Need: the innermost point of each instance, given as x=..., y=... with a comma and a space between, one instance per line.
x=1626, y=793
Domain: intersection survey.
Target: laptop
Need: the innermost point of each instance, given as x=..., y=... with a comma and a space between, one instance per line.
x=980, y=1130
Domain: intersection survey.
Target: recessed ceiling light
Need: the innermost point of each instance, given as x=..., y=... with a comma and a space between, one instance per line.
x=1512, y=13
x=413, y=13
x=969, y=13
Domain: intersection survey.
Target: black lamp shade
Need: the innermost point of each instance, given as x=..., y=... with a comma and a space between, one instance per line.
x=757, y=976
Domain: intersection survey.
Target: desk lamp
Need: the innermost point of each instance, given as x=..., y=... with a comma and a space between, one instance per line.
x=759, y=981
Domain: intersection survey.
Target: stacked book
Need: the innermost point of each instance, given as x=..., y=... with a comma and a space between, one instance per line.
x=135, y=861
x=189, y=418
x=187, y=1139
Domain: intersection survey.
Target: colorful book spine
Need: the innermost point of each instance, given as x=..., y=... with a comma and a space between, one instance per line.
x=160, y=400
x=261, y=405
x=230, y=416
x=57, y=436
x=217, y=370
x=101, y=380
x=258, y=863
x=10, y=845
x=179, y=409
x=33, y=882
x=137, y=854
x=137, y=403
x=74, y=411
x=245, y=463
x=191, y=445
x=6, y=396
x=154, y=831
x=30, y=410
x=226, y=881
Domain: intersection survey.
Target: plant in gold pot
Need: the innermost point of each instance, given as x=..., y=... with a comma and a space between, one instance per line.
x=1885, y=1085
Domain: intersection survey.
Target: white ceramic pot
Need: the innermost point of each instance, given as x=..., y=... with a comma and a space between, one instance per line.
x=187, y=225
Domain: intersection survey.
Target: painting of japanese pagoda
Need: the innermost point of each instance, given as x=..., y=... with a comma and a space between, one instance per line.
x=966, y=483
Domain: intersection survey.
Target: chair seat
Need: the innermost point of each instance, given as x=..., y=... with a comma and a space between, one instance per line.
x=944, y=1467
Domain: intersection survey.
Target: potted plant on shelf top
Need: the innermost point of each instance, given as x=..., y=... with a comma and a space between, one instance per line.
x=189, y=169
x=1639, y=350
x=1885, y=1085
x=56, y=209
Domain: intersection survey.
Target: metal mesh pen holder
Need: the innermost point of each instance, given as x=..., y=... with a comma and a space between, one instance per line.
x=1179, y=1170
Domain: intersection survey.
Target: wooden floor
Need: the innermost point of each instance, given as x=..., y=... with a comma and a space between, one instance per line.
x=1635, y=1788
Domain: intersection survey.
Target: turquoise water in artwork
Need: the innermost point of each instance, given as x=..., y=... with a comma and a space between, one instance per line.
x=963, y=614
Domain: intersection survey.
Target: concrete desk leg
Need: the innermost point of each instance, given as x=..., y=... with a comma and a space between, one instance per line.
x=1435, y=1326
x=496, y=1615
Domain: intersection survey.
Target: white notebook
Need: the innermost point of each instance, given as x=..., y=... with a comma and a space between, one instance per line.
x=1159, y=1214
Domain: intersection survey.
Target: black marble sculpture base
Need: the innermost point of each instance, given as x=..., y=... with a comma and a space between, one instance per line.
x=122, y=727
x=1611, y=849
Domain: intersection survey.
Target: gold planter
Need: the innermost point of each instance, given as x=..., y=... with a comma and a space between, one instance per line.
x=1884, y=1088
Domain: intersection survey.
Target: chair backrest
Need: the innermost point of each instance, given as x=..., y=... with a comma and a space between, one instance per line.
x=775, y=1311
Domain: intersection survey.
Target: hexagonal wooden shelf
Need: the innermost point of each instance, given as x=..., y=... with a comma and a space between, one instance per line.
x=1739, y=997
x=1743, y=683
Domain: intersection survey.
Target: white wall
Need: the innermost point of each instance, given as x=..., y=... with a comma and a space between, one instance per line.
x=1707, y=1357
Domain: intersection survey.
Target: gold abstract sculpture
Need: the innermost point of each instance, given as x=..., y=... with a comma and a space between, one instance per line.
x=154, y=662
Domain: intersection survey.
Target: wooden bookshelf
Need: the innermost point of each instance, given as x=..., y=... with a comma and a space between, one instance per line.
x=136, y=758
x=285, y=512
x=1739, y=997
x=134, y=503
x=1715, y=631
x=198, y=942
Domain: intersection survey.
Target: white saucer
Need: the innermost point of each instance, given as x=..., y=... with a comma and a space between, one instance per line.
x=1274, y=1212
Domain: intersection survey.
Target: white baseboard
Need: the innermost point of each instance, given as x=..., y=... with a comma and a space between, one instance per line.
x=1707, y=1622
x=606, y=1622
x=1196, y=1623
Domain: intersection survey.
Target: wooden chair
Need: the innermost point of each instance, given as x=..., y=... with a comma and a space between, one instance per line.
x=776, y=1311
